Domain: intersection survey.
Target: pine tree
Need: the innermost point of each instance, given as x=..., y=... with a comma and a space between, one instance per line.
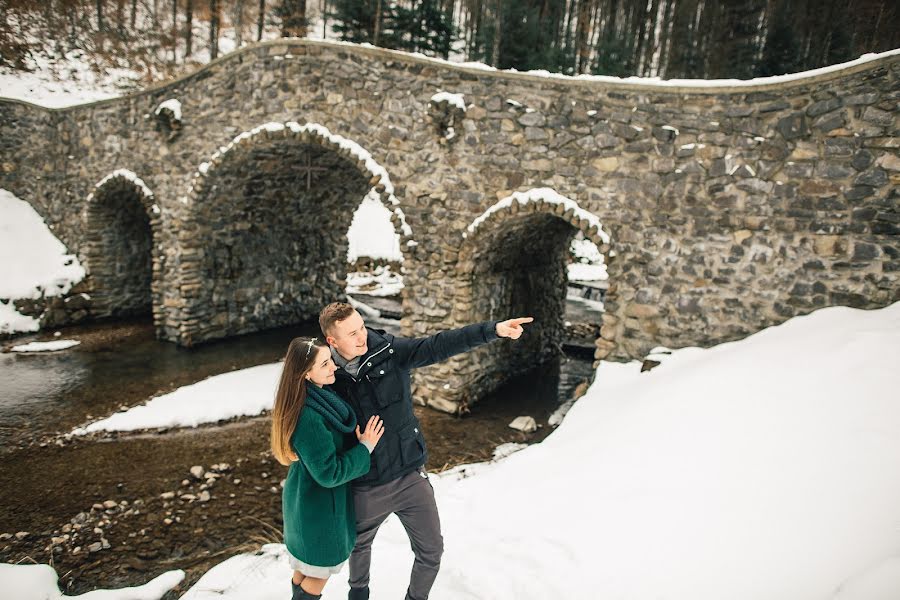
x=782, y=49
x=293, y=17
x=425, y=27
x=354, y=20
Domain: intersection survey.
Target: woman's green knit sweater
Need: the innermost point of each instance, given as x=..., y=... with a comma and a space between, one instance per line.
x=319, y=519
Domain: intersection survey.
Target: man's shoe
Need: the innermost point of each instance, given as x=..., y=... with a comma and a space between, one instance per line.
x=301, y=594
x=358, y=593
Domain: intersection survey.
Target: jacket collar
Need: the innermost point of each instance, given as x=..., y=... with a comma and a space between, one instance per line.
x=378, y=343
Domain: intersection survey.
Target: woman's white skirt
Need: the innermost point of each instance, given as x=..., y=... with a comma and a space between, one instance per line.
x=313, y=570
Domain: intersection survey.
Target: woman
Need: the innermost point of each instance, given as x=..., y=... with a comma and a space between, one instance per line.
x=310, y=431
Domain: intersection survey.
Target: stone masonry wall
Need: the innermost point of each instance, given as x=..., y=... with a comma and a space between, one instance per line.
x=730, y=209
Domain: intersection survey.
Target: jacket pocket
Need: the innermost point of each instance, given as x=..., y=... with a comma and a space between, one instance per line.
x=385, y=384
x=412, y=445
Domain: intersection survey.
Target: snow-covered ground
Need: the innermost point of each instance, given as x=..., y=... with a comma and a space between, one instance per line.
x=241, y=393
x=371, y=232
x=39, y=582
x=32, y=259
x=52, y=346
x=767, y=468
x=381, y=282
x=33, y=262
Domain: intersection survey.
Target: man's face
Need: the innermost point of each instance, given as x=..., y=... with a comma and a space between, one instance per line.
x=348, y=337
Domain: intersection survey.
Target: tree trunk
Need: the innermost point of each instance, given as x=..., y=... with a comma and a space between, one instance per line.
x=174, y=31
x=238, y=20
x=133, y=14
x=120, y=17
x=581, y=35
x=100, y=15
x=498, y=31
x=377, y=23
x=213, y=29
x=261, y=20
x=188, y=29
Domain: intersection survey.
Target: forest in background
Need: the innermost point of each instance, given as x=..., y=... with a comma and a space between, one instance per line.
x=669, y=39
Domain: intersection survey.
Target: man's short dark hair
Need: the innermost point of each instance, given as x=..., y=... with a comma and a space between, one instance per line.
x=334, y=313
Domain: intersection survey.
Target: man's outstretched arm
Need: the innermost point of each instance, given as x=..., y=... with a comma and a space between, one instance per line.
x=421, y=352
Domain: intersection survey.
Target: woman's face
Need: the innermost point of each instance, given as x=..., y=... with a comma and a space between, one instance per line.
x=322, y=371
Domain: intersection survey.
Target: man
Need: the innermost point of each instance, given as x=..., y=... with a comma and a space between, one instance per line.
x=374, y=377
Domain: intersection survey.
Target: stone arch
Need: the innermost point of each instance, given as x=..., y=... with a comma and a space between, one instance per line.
x=512, y=263
x=122, y=227
x=265, y=247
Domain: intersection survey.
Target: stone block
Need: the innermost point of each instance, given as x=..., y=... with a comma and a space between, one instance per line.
x=642, y=311
x=605, y=164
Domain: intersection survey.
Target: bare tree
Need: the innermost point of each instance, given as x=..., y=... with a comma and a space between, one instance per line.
x=120, y=17
x=377, y=23
x=174, y=31
x=213, y=29
x=237, y=19
x=582, y=33
x=188, y=28
x=498, y=18
x=261, y=20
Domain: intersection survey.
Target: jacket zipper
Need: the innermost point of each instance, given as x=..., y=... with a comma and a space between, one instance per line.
x=379, y=352
x=355, y=380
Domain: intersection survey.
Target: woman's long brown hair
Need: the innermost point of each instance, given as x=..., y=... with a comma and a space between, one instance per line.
x=291, y=395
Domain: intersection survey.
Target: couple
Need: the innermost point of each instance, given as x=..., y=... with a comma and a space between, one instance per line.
x=359, y=375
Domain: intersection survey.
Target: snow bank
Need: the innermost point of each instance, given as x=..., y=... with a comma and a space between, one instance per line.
x=32, y=262
x=47, y=267
x=764, y=468
x=241, y=393
x=45, y=346
x=39, y=582
x=12, y=321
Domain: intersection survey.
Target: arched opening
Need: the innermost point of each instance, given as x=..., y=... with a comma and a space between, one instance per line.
x=375, y=278
x=121, y=223
x=513, y=262
x=268, y=238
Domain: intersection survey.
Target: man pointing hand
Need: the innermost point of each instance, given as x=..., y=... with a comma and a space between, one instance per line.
x=512, y=328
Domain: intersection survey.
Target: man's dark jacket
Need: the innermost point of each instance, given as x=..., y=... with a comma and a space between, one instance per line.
x=382, y=388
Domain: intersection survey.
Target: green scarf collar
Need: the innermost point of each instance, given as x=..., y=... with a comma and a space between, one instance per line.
x=332, y=408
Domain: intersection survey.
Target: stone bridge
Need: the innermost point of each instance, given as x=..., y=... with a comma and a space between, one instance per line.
x=721, y=209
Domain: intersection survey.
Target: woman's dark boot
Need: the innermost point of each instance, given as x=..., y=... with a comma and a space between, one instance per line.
x=301, y=594
x=358, y=593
